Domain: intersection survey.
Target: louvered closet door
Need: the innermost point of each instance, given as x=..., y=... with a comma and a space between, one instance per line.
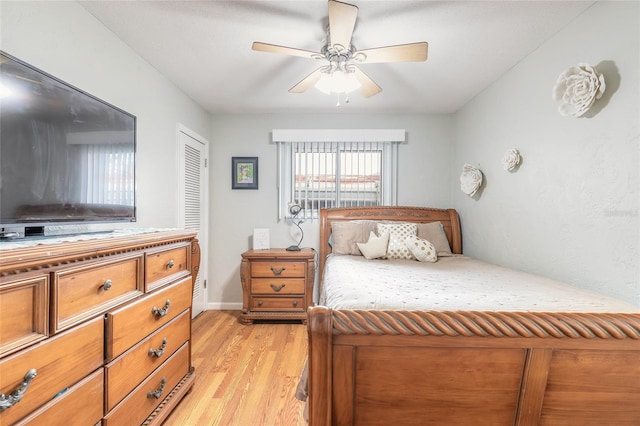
x=194, y=207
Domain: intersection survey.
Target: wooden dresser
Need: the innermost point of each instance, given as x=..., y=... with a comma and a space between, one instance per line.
x=277, y=284
x=96, y=331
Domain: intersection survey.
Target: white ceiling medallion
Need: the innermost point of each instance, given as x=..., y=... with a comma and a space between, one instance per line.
x=577, y=89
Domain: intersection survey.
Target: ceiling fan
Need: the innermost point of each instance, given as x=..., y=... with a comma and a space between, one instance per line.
x=341, y=74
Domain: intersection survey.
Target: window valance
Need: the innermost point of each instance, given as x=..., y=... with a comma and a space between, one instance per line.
x=338, y=135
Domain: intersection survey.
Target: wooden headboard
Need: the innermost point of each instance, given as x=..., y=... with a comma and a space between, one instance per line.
x=448, y=217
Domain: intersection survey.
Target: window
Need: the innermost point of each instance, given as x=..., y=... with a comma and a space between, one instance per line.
x=319, y=174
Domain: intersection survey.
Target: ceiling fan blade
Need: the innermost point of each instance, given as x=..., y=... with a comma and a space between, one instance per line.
x=342, y=21
x=413, y=52
x=308, y=81
x=369, y=87
x=273, y=48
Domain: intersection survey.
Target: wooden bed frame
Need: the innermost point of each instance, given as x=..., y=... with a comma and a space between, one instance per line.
x=467, y=368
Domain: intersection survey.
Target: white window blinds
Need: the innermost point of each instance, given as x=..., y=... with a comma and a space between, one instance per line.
x=337, y=173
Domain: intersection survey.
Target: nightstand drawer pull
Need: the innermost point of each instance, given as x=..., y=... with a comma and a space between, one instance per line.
x=160, y=312
x=158, y=393
x=158, y=352
x=277, y=271
x=295, y=303
x=107, y=285
x=259, y=302
x=277, y=287
x=171, y=264
x=9, y=400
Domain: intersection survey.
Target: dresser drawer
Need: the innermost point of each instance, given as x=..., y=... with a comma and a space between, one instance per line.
x=82, y=404
x=128, y=325
x=24, y=311
x=127, y=371
x=141, y=402
x=277, y=286
x=293, y=304
x=83, y=291
x=165, y=265
x=59, y=362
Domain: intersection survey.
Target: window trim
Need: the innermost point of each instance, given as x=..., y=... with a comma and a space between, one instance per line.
x=284, y=139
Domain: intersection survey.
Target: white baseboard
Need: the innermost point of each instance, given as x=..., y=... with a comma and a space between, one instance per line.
x=224, y=306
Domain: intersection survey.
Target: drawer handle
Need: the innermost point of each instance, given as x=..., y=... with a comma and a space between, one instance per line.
x=107, y=285
x=8, y=401
x=171, y=264
x=277, y=271
x=259, y=302
x=277, y=287
x=160, y=312
x=158, y=352
x=295, y=303
x=158, y=392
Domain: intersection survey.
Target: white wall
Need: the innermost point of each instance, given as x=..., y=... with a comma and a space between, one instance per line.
x=571, y=212
x=63, y=39
x=424, y=163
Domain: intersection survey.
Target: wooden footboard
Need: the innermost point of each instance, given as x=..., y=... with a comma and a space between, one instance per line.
x=463, y=368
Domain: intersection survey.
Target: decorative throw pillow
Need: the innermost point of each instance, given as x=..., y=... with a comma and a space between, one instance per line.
x=423, y=250
x=434, y=232
x=376, y=246
x=347, y=235
x=398, y=232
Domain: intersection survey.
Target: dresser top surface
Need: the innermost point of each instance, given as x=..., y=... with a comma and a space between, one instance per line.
x=56, y=249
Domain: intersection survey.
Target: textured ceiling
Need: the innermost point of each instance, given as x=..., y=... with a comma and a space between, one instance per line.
x=204, y=48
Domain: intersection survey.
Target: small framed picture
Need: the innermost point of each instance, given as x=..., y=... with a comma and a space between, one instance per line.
x=244, y=172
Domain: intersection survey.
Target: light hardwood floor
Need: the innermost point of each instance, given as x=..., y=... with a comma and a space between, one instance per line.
x=246, y=375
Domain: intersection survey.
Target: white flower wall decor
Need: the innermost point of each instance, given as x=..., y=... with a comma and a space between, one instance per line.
x=511, y=159
x=577, y=89
x=470, y=179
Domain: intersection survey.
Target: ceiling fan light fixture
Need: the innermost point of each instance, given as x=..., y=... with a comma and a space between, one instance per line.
x=341, y=75
x=338, y=81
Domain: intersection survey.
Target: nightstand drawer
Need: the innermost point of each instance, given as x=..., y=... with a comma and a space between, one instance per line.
x=128, y=325
x=277, y=286
x=278, y=269
x=127, y=371
x=278, y=303
x=137, y=406
x=83, y=291
x=166, y=265
x=24, y=312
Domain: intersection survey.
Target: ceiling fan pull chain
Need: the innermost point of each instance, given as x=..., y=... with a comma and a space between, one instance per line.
x=338, y=103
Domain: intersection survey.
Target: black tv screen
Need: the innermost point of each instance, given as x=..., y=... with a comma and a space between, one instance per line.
x=65, y=155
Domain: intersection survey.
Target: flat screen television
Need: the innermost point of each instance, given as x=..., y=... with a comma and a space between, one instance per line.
x=66, y=157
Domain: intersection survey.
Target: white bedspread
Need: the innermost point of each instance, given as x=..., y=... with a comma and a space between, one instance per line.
x=450, y=284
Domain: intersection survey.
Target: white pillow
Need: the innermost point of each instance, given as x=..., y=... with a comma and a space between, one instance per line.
x=398, y=232
x=376, y=246
x=423, y=250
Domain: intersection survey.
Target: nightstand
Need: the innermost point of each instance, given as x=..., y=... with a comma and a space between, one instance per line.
x=277, y=284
